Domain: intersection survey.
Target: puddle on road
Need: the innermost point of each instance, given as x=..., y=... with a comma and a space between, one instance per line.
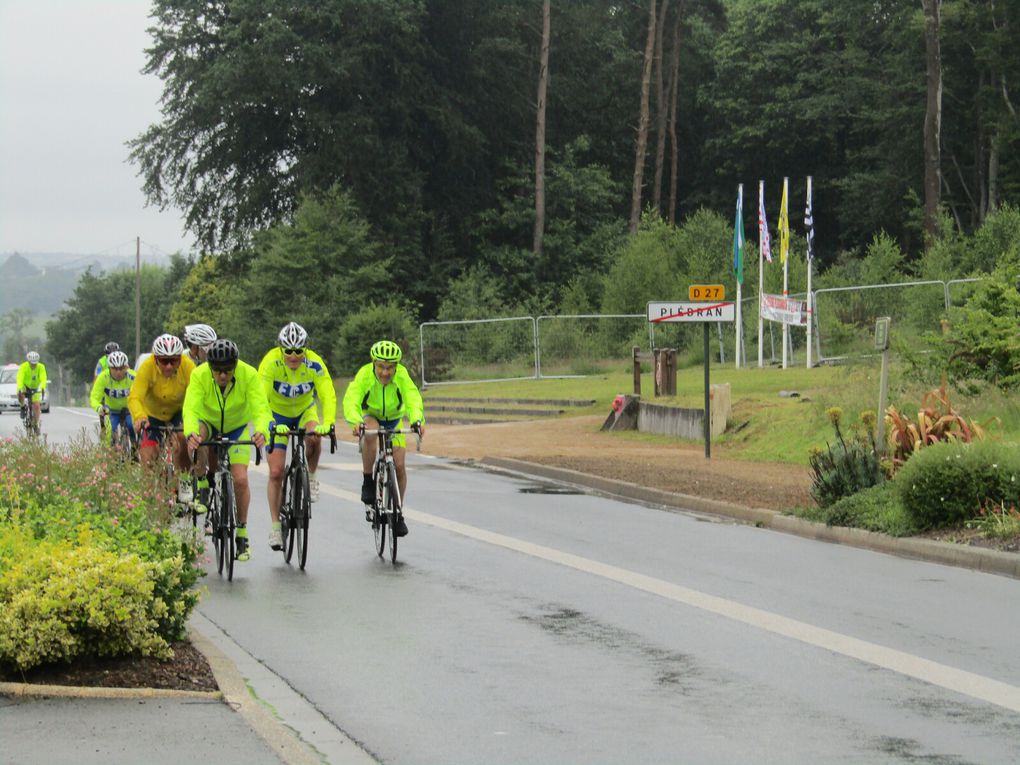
x=547, y=488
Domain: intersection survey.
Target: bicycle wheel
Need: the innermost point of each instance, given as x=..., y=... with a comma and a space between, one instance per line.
x=216, y=521
x=287, y=515
x=230, y=522
x=392, y=508
x=303, y=505
x=378, y=517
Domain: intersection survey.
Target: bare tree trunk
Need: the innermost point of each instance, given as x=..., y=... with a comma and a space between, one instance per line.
x=642, y=137
x=660, y=113
x=932, y=119
x=980, y=163
x=993, y=170
x=543, y=83
x=674, y=85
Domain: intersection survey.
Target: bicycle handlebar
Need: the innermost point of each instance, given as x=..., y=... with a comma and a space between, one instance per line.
x=227, y=442
x=388, y=432
x=303, y=432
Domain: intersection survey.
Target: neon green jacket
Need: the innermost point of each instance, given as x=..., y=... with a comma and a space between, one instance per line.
x=112, y=393
x=290, y=392
x=243, y=401
x=365, y=395
x=31, y=378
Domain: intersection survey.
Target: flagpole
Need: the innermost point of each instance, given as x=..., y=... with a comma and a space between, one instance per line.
x=739, y=343
x=810, y=305
x=784, y=240
x=761, y=276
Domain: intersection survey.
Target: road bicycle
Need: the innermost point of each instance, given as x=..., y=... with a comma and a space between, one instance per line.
x=387, y=508
x=222, y=516
x=295, y=502
x=29, y=418
x=122, y=440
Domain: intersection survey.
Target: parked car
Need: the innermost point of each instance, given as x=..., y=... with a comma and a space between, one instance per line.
x=9, y=390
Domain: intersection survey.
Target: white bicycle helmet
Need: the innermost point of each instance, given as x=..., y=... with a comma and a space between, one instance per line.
x=293, y=336
x=117, y=359
x=201, y=335
x=32, y=357
x=167, y=345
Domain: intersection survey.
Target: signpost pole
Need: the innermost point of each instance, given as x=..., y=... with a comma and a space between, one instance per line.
x=708, y=402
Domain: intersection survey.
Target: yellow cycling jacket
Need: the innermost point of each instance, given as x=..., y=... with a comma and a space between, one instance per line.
x=366, y=395
x=290, y=392
x=112, y=393
x=153, y=395
x=31, y=378
x=243, y=401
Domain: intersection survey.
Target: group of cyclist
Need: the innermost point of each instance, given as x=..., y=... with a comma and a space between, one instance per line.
x=203, y=391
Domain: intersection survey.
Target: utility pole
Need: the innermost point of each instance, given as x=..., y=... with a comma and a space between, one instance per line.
x=138, y=297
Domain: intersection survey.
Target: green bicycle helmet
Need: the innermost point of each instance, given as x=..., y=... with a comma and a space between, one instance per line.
x=386, y=350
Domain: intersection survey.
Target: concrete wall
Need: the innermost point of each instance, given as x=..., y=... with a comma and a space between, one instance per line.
x=684, y=422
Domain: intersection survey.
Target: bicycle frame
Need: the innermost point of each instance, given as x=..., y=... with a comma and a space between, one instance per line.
x=29, y=416
x=223, y=503
x=295, y=506
x=388, y=505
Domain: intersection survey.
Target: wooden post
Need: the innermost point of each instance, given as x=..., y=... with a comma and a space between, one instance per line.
x=637, y=370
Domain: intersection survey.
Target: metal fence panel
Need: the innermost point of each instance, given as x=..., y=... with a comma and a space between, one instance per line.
x=845, y=316
x=585, y=344
x=480, y=350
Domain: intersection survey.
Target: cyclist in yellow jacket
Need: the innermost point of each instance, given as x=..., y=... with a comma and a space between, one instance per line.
x=156, y=399
x=32, y=377
x=110, y=393
x=224, y=395
x=294, y=376
x=383, y=393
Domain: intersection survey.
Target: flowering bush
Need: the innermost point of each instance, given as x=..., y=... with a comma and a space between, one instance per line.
x=948, y=483
x=81, y=508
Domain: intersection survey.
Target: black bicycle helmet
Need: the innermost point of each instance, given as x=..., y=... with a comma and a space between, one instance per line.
x=223, y=352
x=110, y=347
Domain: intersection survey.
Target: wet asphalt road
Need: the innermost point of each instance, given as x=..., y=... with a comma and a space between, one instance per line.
x=527, y=625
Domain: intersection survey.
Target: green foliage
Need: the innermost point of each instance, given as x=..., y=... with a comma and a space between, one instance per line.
x=375, y=322
x=983, y=339
x=62, y=601
x=848, y=466
x=997, y=520
x=947, y=483
x=102, y=308
x=88, y=564
x=936, y=421
x=876, y=508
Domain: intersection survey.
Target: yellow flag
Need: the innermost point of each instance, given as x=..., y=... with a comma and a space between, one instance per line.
x=784, y=227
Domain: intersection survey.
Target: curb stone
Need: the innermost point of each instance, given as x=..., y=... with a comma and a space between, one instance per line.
x=962, y=556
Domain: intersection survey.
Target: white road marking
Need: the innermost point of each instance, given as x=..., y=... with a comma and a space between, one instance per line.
x=953, y=679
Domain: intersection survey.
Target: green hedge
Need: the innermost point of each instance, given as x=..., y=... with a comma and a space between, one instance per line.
x=947, y=483
x=89, y=562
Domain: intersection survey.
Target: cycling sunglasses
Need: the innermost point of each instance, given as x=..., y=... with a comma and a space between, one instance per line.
x=217, y=369
x=293, y=351
x=167, y=361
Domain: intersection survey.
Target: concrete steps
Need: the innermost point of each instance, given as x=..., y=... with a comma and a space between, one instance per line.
x=456, y=410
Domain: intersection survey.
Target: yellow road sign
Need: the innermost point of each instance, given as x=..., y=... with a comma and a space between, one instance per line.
x=706, y=292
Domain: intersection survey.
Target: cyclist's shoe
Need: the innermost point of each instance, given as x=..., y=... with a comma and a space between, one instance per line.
x=400, y=528
x=208, y=528
x=367, y=493
x=184, y=493
x=313, y=489
x=276, y=539
x=243, y=551
x=368, y=514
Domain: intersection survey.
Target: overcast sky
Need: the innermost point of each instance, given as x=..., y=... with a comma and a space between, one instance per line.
x=71, y=94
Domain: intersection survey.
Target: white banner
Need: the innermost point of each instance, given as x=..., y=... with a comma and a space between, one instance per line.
x=784, y=310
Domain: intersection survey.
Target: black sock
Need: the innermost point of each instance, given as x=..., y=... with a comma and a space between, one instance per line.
x=368, y=479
